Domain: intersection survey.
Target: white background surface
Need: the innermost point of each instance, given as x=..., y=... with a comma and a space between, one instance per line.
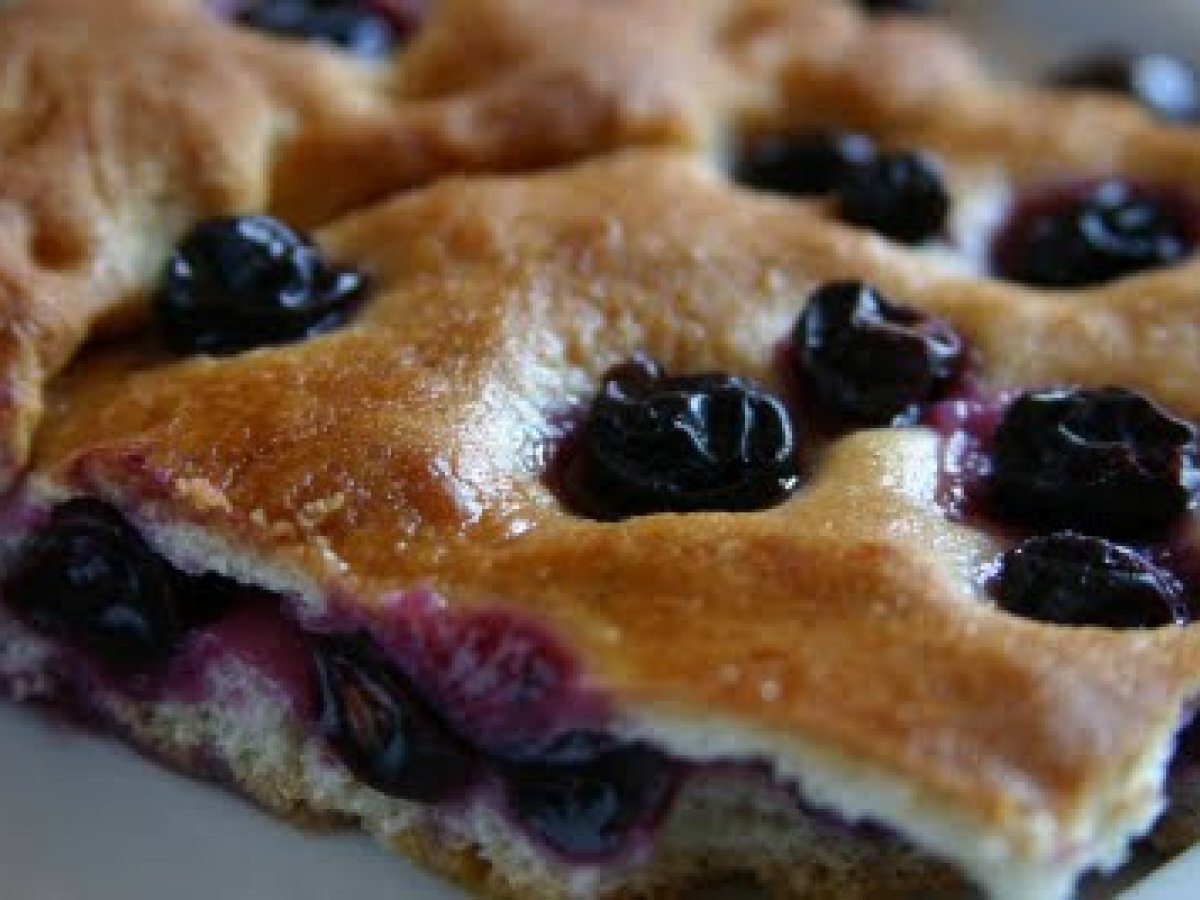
x=84, y=819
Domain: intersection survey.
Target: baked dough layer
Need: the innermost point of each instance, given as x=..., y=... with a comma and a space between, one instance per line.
x=844, y=635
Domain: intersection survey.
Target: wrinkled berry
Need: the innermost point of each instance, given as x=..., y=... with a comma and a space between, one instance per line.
x=89, y=578
x=239, y=283
x=801, y=166
x=1163, y=84
x=870, y=361
x=590, y=809
x=683, y=444
x=351, y=26
x=1094, y=234
x=1106, y=462
x=1070, y=579
x=899, y=195
x=382, y=728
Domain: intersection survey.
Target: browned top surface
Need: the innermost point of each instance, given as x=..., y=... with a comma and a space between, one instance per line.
x=405, y=451
x=124, y=122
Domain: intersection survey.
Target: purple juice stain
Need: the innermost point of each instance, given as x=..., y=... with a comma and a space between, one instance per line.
x=967, y=424
x=503, y=683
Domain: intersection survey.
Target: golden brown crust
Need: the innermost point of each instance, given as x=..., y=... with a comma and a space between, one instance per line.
x=403, y=452
x=408, y=450
x=123, y=123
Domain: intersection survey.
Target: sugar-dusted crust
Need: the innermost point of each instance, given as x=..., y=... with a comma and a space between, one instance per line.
x=123, y=123
x=843, y=635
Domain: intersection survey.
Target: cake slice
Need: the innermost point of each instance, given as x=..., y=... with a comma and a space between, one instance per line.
x=576, y=555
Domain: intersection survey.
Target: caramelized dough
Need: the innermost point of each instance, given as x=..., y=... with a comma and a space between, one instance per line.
x=125, y=122
x=408, y=451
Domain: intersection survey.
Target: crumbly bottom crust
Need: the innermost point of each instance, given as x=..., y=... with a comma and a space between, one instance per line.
x=726, y=823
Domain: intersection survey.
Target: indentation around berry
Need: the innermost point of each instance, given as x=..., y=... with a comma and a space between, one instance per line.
x=1105, y=461
x=1090, y=233
x=244, y=282
x=869, y=361
x=653, y=443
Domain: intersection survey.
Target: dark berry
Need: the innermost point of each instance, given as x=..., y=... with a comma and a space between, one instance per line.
x=1165, y=85
x=1071, y=579
x=1094, y=234
x=897, y=6
x=899, y=195
x=1106, y=462
x=238, y=283
x=382, y=728
x=870, y=361
x=590, y=809
x=88, y=578
x=351, y=26
x=701, y=442
x=801, y=166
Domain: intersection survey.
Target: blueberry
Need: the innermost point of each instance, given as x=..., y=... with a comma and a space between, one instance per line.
x=897, y=6
x=1093, y=235
x=1107, y=462
x=382, y=728
x=899, y=195
x=1165, y=85
x=88, y=578
x=589, y=809
x=870, y=361
x=353, y=27
x=1072, y=579
x=237, y=283
x=701, y=442
x=801, y=166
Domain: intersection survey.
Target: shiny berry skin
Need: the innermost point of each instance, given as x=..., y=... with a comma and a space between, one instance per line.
x=804, y=165
x=382, y=729
x=1107, y=462
x=1072, y=579
x=353, y=27
x=1094, y=234
x=899, y=195
x=1163, y=84
x=589, y=809
x=238, y=283
x=89, y=579
x=869, y=361
x=653, y=443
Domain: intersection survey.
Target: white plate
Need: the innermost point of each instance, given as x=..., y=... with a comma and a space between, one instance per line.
x=84, y=819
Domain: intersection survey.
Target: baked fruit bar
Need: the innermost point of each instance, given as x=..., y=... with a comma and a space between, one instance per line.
x=816, y=505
